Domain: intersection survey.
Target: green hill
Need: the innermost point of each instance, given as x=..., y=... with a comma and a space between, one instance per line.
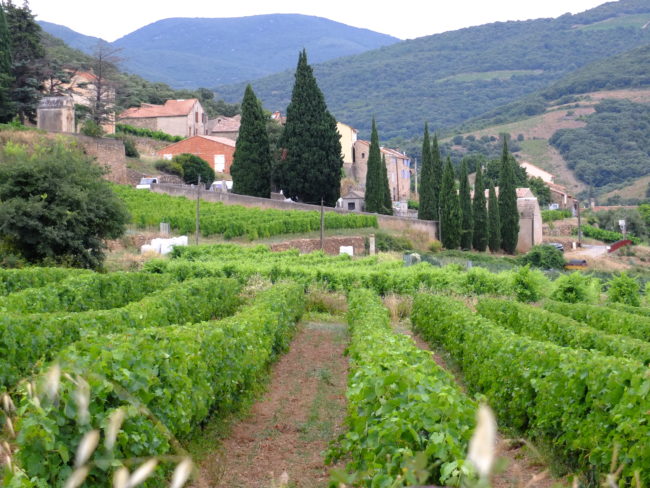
x=449, y=78
x=188, y=53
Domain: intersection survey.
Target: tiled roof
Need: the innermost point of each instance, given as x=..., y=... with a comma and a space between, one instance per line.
x=172, y=108
x=225, y=124
x=223, y=140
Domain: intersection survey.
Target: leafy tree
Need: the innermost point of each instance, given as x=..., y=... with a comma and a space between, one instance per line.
x=449, y=209
x=193, y=167
x=6, y=78
x=624, y=289
x=27, y=60
x=312, y=164
x=428, y=209
x=251, y=167
x=388, y=200
x=508, y=213
x=465, y=199
x=544, y=256
x=55, y=205
x=375, y=192
x=479, y=212
x=540, y=190
x=494, y=222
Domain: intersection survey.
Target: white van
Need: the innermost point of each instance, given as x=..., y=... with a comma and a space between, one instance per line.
x=145, y=183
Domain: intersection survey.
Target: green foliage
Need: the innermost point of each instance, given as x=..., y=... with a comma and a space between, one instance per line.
x=634, y=222
x=130, y=148
x=6, y=81
x=91, y=128
x=56, y=205
x=251, y=167
x=194, y=168
x=15, y=280
x=542, y=325
x=414, y=204
x=480, y=213
x=494, y=222
x=149, y=209
x=610, y=320
x=572, y=398
x=399, y=418
x=576, y=288
x=466, y=217
x=528, y=285
x=606, y=235
x=624, y=289
x=311, y=169
x=376, y=181
x=508, y=213
x=388, y=199
x=612, y=148
x=545, y=257
x=169, y=166
x=141, y=132
x=540, y=190
x=429, y=198
x=181, y=374
x=28, y=338
x=388, y=242
x=553, y=215
x=450, y=223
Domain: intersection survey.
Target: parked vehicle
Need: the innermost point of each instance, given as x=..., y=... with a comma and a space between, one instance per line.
x=145, y=183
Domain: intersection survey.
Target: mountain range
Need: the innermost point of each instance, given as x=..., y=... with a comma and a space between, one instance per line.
x=189, y=53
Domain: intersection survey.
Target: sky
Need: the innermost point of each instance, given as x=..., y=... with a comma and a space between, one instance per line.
x=404, y=19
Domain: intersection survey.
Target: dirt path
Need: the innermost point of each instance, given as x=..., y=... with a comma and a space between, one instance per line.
x=291, y=426
x=518, y=464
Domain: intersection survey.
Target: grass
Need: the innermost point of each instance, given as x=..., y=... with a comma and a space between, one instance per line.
x=637, y=189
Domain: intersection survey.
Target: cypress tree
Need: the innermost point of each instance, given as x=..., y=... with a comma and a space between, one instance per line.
x=465, y=200
x=311, y=145
x=375, y=175
x=251, y=167
x=6, y=106
x=494, y=223
x=479, y=212
x=387, y=204
x=437, y=173
x=428, y=208
x=508, y=213
x=449, y=209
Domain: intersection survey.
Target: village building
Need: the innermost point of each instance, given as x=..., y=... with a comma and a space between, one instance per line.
x=348, y=138
x=217, y=151
x=398, y=168
x=225, y=127
x=183, y=118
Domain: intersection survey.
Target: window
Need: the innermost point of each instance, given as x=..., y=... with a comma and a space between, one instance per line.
x=219, y=162
x=196, y=117
x=351, y=206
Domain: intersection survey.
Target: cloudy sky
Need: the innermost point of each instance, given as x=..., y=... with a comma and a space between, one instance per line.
x=405, y=19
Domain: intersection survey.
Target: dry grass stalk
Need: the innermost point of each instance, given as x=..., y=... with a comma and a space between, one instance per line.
x=181, y=473
x=86, y=447
x=113, y=427
x=482, y=445
x=142, y=473
x=77, y=477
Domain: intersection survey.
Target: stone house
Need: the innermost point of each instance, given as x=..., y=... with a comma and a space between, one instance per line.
x=354, y=200
x=183, y=118
x=560, y=196
x=348, y=138
x=225, y=127
x=398, y=168
x=217, y=151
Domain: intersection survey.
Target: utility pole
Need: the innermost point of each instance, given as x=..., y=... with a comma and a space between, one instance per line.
x=322, y=225
x=416, y=176
x=198, y=196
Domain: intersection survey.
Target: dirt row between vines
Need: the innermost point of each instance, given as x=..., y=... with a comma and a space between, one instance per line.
x=289, y=428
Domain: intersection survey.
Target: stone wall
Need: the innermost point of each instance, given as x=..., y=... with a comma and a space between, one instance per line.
x=108, y=153
x=331, y=245
x=385, y=221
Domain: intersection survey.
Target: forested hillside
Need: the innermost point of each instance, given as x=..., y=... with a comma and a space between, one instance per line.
x=449, y=78
x=189, y=53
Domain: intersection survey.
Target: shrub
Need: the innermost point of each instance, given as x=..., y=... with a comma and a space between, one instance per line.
x=576, y=288
x=551, y=215
x=387, y=242
x=169, y=167
x=194, y=168
x=92, y=129
x=624, y=289
x=544, y=256
x=528, y=285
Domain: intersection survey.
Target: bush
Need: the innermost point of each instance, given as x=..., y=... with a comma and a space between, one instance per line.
x=414, y=204
x=544, y=256
x=576, y=288
x=152, y=134
x=387, y=242
x=92, y=129
x=169, y=167
x=551, y=215
x=528, y=285
x=624, y=289
x=194, y=168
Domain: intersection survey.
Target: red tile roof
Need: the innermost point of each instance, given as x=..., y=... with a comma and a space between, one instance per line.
x=172, y=108
x=225, y=124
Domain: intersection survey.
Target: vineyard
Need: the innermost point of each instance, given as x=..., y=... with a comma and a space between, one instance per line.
x=142, y=361
x=230, y=221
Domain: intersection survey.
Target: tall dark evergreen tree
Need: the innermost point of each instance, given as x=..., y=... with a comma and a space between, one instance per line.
x=388, y=200
x=494, y=222
x=437, y=173
x=311, y=145
x=251, y=167
x=479, y=212
x=374, y=199
x=428, y=208
x=27, y=60
x=465, y=200
x=6, y=105
x=508, y=213
x=449, y=209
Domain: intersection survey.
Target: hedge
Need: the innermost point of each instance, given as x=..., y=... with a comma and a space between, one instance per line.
x=180, y=374
x=543, y=325
x=26, y=339
x=400, y=403
x=85, y=292
x=13, y=280
x=584, y=404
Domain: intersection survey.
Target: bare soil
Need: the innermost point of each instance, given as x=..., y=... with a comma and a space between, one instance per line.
x=289, y=429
